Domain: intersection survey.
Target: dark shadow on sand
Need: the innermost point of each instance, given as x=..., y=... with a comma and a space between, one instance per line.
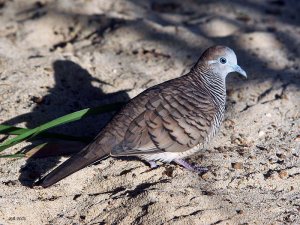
x=73, y=91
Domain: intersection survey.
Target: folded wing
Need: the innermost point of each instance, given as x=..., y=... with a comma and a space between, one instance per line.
x=173, y=120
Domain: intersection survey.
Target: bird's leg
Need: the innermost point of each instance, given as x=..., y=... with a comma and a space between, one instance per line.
x=152, y=164
x=194, y=168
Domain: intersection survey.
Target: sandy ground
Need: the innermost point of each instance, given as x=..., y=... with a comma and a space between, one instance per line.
x=78, y=54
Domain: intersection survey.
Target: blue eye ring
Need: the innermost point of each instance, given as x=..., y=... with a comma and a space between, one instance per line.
x=223, y=60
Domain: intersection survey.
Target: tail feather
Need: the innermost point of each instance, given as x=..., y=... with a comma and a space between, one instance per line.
x=84, y=158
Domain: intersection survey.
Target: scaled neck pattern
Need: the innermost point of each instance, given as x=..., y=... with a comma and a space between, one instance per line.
x=215, y=86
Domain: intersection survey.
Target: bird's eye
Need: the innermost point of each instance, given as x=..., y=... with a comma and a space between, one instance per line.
x=223, y=60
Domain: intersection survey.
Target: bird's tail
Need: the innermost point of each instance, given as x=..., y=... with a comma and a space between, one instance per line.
x=84, y=158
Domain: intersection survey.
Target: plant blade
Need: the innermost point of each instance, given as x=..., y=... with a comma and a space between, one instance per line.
x=11, y=130
x=60, y=121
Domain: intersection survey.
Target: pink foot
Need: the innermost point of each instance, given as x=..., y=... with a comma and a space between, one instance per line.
x=194, y=168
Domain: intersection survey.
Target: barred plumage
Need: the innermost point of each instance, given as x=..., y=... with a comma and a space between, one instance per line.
x=167, y=122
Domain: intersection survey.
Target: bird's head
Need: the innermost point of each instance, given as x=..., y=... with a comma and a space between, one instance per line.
x=222, y=60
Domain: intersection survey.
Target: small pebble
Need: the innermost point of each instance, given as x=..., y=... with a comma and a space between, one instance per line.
x=237, y=165
x=207, y=176
x=261, y=133
x=239, y=211
x=283, y=174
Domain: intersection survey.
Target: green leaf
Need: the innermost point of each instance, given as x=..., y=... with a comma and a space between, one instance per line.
x=59, y=121
x=6, y=129
x=11, y=130
x=13, y=156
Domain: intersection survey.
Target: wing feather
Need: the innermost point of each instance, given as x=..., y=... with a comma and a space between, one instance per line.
x=172, y=120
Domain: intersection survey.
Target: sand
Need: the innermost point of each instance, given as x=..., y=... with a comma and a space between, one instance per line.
x=57, y=57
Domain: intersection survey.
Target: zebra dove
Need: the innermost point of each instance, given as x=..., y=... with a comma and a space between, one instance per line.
x=166, y=122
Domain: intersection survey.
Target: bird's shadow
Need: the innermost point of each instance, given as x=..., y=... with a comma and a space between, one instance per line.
x=73, y=91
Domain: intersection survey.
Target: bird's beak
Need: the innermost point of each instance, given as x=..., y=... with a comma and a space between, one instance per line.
x=239, y=70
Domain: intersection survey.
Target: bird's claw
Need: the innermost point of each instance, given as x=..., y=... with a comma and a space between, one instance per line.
x=195, y=168
x=152, y=164
x=199, y=169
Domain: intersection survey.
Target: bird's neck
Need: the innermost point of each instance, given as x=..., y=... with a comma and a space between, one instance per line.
x=214, y=84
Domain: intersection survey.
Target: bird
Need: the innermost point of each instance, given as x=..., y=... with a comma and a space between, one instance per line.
x=167, y=122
